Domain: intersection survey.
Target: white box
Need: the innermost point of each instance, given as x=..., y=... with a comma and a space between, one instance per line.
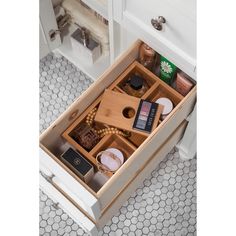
x=89, y=52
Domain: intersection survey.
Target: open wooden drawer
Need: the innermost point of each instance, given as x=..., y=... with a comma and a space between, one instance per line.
x=57, y=191
x=95, y=201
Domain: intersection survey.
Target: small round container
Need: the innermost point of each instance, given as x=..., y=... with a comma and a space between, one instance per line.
x=168, y=106
x=135, y=86
x=110, y=160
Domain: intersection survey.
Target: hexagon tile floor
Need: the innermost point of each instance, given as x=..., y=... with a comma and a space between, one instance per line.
x=164, y=204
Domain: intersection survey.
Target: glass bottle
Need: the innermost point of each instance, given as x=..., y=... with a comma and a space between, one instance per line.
x=147, y=56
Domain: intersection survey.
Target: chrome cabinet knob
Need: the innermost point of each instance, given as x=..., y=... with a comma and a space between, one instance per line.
x=157, y=23
x=53, y=33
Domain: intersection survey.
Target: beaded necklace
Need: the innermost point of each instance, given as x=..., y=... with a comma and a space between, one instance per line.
x=102, y=132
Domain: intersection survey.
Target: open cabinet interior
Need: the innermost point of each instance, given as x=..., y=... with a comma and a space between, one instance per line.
x=61, y=136
x=84, y=35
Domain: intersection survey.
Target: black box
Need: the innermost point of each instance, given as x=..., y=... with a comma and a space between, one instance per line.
x=78, y=164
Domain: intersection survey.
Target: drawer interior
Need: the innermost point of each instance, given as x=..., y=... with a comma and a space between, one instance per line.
x=59, y=136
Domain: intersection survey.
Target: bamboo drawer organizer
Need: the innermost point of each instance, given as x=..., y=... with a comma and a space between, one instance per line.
x=127, y=145
x=96, y=196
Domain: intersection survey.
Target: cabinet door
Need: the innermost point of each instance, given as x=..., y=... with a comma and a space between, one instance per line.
x=49, y=36
x=43, y=45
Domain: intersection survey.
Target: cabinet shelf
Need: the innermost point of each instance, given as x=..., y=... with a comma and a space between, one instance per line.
x=94, y=70
x=100, y=6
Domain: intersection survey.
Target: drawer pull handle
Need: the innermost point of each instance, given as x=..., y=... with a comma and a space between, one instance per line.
x=73, y=115
x=48, y=178
x=157, y=23
x=52, y=34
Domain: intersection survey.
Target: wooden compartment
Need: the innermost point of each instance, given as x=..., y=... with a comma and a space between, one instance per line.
x=161, y=89
x=136, y=139
x=67, y=134
x=134, y=68
x=118, y=90
x=114, y=141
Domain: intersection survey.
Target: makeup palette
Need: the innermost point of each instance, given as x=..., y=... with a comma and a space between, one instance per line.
x=145, y=116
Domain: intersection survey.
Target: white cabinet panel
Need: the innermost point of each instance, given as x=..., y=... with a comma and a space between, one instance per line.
x=61, y=201
x=43, y=45
x=177, y=39
x=48, y=24
x=90, y=203
x=178, y=29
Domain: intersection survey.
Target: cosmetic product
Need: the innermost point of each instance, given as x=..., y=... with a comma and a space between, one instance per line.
x=147, y=56
x=86, y=136
x=183, y=83
x=145, y=116
x=167, y=70
x=78, y=164
x=110, y=160
x=135, y=86
x=168, y=106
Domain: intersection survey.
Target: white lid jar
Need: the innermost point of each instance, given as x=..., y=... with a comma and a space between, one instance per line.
x=168, y=106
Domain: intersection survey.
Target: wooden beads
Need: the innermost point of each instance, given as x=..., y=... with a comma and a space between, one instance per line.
x=102, y=132
x=90, y=116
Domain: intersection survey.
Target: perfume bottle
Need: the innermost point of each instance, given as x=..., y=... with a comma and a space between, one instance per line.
x=147, y=56
x=135, y=86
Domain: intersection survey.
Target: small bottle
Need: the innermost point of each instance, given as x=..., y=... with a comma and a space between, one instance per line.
x=147, y=56
x=135, y=86
x=167, y=70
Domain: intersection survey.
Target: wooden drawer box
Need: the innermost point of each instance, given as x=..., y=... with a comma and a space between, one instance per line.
x=94, y=202
x=57, y=191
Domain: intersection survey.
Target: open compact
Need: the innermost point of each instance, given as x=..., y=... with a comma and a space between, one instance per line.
x=109, y=160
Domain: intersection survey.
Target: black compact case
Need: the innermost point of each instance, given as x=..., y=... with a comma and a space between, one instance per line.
x=78, y=164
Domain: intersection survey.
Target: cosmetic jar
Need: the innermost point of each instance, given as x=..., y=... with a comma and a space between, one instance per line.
x=109, y=160
x=168, y=106
x=135, y=86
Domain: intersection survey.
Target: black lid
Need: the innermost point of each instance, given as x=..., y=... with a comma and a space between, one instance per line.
x=136, y=82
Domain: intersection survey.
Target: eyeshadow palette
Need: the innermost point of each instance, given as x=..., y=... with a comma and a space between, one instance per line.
x=145, y=116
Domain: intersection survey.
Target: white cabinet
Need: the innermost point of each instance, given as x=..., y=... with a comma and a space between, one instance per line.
x=51, y=39
x=48, y=26
x=176, y=41
x=177, y=38
x=100, y=6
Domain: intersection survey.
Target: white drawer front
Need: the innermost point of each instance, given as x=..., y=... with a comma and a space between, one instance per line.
x=67, y=206
x=177, y=39
x=71, y=186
